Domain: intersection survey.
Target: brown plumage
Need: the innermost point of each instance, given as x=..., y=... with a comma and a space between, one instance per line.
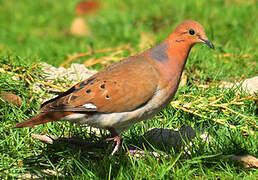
x=129, y=91
x=42, y=118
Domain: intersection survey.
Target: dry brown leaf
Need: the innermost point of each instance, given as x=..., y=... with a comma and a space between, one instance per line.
x=10, y=98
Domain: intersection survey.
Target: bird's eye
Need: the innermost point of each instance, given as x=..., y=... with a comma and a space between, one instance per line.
x=191, y=31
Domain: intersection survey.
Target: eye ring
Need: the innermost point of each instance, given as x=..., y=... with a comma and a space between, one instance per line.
x=191, y=31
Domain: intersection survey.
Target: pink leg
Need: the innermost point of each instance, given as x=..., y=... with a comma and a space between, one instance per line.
x=115, y=137
x=133, y=152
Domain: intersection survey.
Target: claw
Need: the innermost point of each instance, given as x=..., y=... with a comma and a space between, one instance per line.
x=117, y=139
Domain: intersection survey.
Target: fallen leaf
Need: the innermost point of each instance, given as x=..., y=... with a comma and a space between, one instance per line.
x=10, y=98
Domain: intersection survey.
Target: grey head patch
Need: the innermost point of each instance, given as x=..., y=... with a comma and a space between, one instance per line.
x=159, y=52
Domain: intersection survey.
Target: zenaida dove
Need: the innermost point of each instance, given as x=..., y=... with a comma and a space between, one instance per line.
x=128, y=91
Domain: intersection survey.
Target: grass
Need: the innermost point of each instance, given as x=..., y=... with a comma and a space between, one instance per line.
x=32, y=32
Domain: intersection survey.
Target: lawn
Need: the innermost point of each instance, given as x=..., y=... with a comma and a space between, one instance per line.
x=39, y=31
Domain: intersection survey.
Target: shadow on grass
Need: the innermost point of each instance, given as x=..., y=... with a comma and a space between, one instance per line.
x=91, y=157
x=68, y=157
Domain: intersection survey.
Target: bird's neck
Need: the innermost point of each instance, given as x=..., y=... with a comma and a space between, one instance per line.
x=177, y=54
x=169, y=59
x=170, y=56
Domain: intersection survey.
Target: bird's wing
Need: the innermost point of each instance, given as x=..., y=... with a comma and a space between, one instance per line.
x=121, y=87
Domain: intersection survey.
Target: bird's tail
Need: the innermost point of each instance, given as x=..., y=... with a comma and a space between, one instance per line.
x=42, y=118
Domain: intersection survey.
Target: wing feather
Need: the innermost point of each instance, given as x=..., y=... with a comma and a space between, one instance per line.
x=121, y=87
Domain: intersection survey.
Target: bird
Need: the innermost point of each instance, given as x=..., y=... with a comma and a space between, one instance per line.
x=129, y=91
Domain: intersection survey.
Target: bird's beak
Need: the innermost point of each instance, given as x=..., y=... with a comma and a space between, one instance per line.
x=208, y=43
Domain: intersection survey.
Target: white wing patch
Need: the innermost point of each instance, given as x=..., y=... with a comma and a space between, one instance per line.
x=90, y=106
x=73, y=117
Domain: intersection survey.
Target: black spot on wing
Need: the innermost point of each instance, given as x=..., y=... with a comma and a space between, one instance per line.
x=90, y=80
x=102, y=86
x=69, y=91
x=81, y=85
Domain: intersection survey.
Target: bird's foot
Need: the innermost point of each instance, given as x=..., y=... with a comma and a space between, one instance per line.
x=117, y=139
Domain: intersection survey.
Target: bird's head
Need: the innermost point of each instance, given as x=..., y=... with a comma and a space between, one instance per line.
x=190, y=32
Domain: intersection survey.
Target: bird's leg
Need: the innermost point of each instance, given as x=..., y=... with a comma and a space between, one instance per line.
x=131, y=151
x=115, y=137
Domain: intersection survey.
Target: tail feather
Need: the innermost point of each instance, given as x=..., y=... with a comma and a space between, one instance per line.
x=43, y=118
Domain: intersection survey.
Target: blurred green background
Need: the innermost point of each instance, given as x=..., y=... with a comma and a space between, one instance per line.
x=40, y=30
